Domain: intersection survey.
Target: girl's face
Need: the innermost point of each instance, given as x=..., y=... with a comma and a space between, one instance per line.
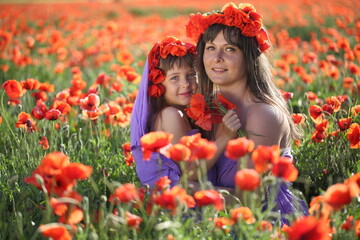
x=180, y=84
x=224, y=63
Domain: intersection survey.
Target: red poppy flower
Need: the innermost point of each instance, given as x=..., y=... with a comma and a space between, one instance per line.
x=156, y=76
x=197, y=107
x=129, y=160
x=39, y=111
x=311, y=96
x=353, y=134
x=264, y=156
x=162, y=183
x=55, y=231
x=30, y=84
x=286, y=95
x=223, y=223
x=348, y=224
x=318, y=136
x=344, y=123
x=322, y=126
x=133, y=220
x=357, y=228
x=90, y=103
x=126, y=193
x=25, y=121
x=298, y=118
x=44, y=143
x=265, y=226
x=13, y=89
x=200, y=148
x=73, y=216
x=153, y=141
x=238, y=148
x=337, y=195
x=355, y=110
x=242, y=213
x=224, y=102
x=328, y=109
x=62, y=106
x=76, y=171
x=310, y=228
x=179, y=152
x=156, y=90
x=126, y=148
x=247, y=179
x=354, y=184
x=284, y=168
x=209, y=197
x=125, y=57
x=52, y=114
x=315, y=112
x=171, y=198
x=41, y=95
x=47, y=87
x=334, y=101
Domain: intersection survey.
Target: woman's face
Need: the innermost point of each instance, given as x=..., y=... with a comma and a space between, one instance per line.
x=224, y=63
x=180, y=84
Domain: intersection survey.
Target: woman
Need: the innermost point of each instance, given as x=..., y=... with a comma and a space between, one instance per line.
x=231, y=61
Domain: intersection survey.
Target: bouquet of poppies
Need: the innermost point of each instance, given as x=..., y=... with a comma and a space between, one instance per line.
x=206, y=112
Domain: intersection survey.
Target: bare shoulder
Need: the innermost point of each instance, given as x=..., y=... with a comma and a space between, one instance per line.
x=266, y=114
x=173, y=121
x=267, y=124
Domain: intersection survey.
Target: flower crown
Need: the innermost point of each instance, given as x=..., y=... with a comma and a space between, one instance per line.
x=170, y=45
x=243, y=17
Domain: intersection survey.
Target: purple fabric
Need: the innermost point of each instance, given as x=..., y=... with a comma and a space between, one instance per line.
x=150, y=171
x=140, y=111
x=286, y=201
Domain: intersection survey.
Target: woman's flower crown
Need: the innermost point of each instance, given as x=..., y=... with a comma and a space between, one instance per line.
x=170, y=45
x=243, y=17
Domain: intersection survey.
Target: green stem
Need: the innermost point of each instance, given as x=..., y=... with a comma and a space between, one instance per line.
x=6, y=121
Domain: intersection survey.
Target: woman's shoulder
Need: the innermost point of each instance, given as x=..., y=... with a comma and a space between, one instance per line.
x=265, y=112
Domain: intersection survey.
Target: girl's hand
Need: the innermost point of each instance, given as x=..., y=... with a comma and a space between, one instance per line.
x=230, y=124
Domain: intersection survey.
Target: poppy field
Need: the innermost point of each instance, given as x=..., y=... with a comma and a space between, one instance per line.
x=69, y=75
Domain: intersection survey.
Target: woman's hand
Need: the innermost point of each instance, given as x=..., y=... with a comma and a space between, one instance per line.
x=230, y=124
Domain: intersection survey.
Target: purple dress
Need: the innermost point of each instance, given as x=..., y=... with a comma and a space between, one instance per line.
x=159, y=166
x=286, y=202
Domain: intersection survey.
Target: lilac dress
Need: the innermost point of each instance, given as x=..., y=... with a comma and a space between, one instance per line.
x=159, y=166
x=286, y=202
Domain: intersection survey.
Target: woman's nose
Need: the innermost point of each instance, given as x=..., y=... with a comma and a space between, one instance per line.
x=218, y=56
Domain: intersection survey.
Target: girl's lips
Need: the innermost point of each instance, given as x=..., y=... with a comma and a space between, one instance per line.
x=185, y=94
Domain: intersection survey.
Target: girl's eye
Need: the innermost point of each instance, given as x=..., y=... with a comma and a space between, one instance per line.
x=174, y=78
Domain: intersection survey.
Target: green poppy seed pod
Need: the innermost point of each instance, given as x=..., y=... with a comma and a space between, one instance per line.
x=39, y=179
x=103, y=198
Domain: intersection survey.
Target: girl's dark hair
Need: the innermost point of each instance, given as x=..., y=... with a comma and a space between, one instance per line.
x=159, y=103
x=259, y=75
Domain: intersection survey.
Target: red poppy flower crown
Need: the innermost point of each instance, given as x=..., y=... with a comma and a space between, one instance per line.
x=243, y=17
x=170, y=45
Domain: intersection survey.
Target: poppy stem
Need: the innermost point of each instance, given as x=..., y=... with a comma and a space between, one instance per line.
x=6, y=121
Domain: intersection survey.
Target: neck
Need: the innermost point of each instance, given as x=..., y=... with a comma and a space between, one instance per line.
x=238, y=94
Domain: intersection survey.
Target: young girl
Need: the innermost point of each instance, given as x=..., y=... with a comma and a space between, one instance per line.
x=168, y=82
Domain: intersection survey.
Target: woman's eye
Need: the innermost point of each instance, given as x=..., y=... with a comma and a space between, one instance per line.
x=230, y=49
x=174, y=78
x=210, y=48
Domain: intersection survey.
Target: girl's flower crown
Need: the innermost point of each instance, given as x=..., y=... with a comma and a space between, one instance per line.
x=170, y=45
x=243, y=17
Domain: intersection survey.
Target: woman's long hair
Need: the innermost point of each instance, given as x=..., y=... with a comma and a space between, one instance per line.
x=259, y=75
